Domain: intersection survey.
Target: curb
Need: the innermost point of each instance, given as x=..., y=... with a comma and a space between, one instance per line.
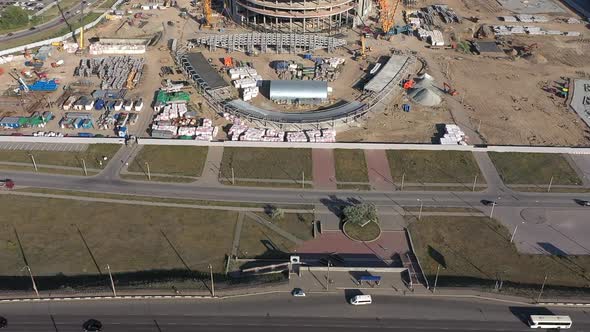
x=564, y=304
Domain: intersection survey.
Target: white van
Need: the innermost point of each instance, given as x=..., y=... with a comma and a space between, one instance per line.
x=361, y=299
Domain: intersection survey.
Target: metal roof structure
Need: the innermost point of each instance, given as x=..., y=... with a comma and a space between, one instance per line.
x=387, y=73
x=336, y=112
x=199, y=69
x=296, y=89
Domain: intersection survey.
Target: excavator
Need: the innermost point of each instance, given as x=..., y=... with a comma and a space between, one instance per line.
x=449, y=89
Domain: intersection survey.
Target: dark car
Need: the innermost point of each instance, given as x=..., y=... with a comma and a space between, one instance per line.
x=582, y=202
x=487, y=202
x=10, y=34
x=92, y=325
x=3, y=322
x=33, y=28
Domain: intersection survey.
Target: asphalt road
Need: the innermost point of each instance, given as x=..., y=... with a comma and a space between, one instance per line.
x=317, y=312
x=281, y=195
x=72, y=18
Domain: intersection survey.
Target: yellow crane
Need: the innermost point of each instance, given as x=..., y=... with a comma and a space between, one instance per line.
x=387, y=14
x=207, y=13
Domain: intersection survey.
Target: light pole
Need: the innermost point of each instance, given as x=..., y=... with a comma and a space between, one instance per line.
x=550, y=184
x=233, y=177
x=420, y=213
x=542, y=288
x=84, y=166
x=328, y=277
x=112, y=282
x=403, y=178
x=147, y=165
x=436, y=278
x=34, y=163
x=32, y=280
x=302, y=180
x=492, y=212
x=474, y=182
x=514, y=233
x=212, y=282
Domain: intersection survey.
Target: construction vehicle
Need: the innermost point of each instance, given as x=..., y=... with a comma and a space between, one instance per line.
x=23, y=86
x=449, y=89
x=7, y=183
x=409, y=83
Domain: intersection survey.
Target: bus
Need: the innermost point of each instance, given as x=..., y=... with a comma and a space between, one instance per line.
x=550, y=322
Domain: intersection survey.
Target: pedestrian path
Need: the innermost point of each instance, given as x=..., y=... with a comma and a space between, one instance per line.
x=324, y=169
x=378, y=170
x=212, y=167
x=489, y=171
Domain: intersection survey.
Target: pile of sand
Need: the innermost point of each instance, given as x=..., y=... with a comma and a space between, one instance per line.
x=425, y=97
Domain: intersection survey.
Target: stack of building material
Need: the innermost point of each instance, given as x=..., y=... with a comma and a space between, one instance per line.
x=162, y=127
x=236, y=131
x=436, y=38
x=204, y=133
x=296, y=136
x=115, y=72
x=249, y=93
x=328, y=136
x=171, y=111
x=243, y=72
x=453, y=135
x=274, y=136
x=253, y=135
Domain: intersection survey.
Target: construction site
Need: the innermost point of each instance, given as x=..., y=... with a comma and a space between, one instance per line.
x=450, y=72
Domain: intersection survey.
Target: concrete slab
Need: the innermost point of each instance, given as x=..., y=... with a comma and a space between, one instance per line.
x=324, y=169
x=543, y=231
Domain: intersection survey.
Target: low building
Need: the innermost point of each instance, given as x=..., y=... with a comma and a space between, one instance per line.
x=298, y=92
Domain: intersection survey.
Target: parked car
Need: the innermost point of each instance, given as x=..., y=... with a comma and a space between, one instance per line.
x=92, y=325
x=3, y=322
x=298, y=292
x=582, y=202
x=487, y=202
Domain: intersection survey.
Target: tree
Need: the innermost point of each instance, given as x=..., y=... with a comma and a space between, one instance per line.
x=276, y=213
x=14, y=17
x=360, y=214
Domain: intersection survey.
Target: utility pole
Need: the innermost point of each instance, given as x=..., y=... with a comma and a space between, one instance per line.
x=303, y=180
x=212, y=282
x=112, y=282
x=403, y=178
x=233, y=177
x=328, y=277
x=32, y=281
x=147, y=165
x=436, y=278
x=34, y=163
x=514, y=233
x=474, y=183
x=542, y=288
x=550, y=183
x=492, y=212
x=420, y=213
x=84, y=165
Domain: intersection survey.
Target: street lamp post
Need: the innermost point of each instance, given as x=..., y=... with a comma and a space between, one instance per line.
x=34, y=162
x=436, y=278
x=403, y=178
x=474, y=183
x=84, y=166
x=32, y=280
x=212, y=281
x=542, y=288
x=514, y=233
x=149, y=174
x=328, y=277
x=550, y=184
x=492, y=212
x=112, y=282
x=420, y=213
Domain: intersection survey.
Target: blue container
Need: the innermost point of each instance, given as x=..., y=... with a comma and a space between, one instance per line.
x=307, y=56
x=122, y=131
x=99, y=104
x=85, y=135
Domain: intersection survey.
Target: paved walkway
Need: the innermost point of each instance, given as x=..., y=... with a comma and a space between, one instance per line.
x=378, y=170
x=212, y=167
x=490, y=173
x=120, y=162
x=581, y=164
x=264, y=222
x=324, y=169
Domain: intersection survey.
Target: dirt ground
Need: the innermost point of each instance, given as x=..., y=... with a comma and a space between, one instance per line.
x=500, y=101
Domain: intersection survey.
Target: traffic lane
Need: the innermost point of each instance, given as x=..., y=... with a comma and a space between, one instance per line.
x=42, y=27
x=284, y=305
x=232, y=323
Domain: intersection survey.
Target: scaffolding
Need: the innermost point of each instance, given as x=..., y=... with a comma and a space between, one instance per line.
x=268, y=42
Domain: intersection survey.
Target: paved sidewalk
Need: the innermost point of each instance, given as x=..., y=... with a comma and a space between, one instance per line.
x=324, y=169
x=581, y=164
x=212, y=167
x=490, y=173
x=378, y=170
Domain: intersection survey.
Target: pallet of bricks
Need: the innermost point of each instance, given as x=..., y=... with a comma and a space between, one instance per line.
x=247, y=79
